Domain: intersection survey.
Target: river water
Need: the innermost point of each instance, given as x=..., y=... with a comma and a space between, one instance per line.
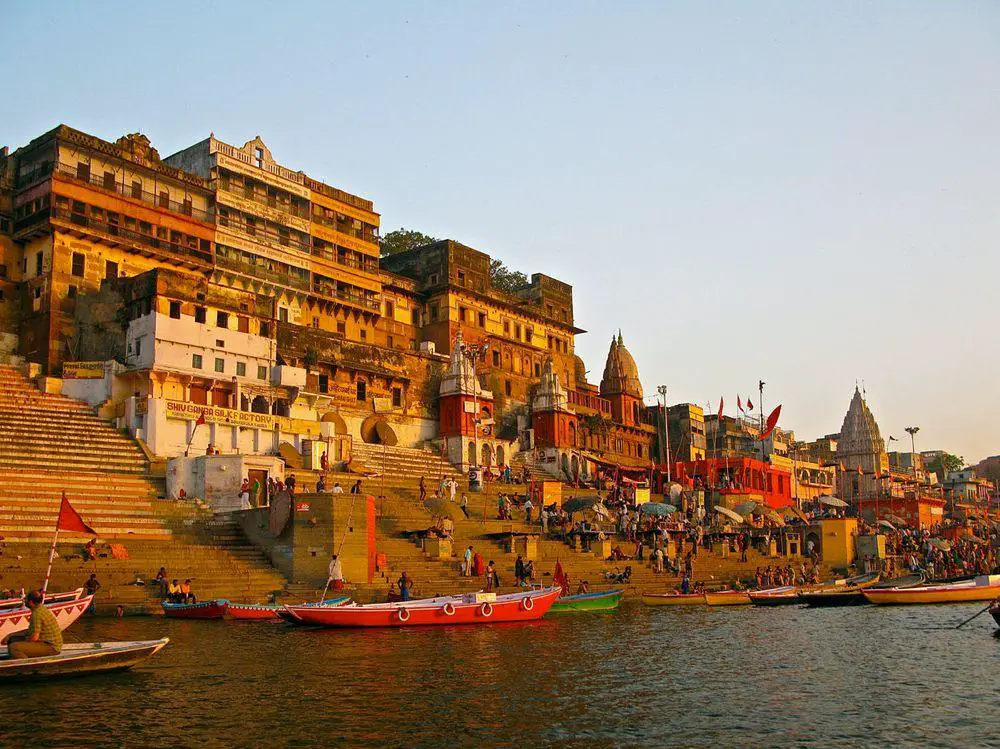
x=641, y=677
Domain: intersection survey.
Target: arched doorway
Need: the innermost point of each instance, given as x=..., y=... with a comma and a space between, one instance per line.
x=472, y=454
x=565, y=464
x=575, y=463
x=336, y=422
x=487, y=455
x=572, y=433
x=500, y=455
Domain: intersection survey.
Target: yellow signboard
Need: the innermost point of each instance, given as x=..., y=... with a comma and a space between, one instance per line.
x=246, y=419
x=83, y=370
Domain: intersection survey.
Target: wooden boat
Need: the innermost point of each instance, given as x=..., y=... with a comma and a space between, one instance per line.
x=79, y=659
x=786, y=595
x=673, y=598
x=605, y=600
x=17, y=603
x=982, y=588
x=474, y=608
x=727, y=598
x=204, y=610
x=845, y=592
x=905, y=581
x=270, y=611
x=66, y=612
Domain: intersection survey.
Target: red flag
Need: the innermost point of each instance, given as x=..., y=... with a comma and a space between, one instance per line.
x=201, y=419
x=722, y=402
x=558, y=577
x=70, y=520
x=772, y=422
x=739, y=403
x=749, y=405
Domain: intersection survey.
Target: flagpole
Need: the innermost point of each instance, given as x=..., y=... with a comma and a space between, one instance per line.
x=52, y=555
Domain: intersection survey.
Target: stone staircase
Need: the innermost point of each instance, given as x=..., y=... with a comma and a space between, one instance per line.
x=406, y=462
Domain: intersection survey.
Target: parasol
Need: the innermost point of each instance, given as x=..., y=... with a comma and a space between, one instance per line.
x=748, y=508
x=940, y=543
x=580, y=504
x=795, y=512
x=895, y=519
x=775, y=518
x=659, y=509
x=887, y=524
x=735, y=516
x=830, y=501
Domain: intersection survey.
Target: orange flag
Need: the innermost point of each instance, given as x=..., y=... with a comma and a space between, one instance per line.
x=70, y=520
x=772, y=422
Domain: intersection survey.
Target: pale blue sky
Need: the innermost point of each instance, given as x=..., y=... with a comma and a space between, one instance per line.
x=802, y=193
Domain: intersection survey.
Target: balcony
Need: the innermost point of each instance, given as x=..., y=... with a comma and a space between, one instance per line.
x=152, y=199
x=117, y=233
x=266, y=201
x=263, y=273
x=364, y=234
x=35, y=174
x=329, y=289
x=593, y=402
x=369, y=265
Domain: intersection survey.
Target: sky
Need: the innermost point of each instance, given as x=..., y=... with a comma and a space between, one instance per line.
x=800, y=193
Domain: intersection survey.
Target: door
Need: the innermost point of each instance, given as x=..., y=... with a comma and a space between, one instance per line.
x=258, y=499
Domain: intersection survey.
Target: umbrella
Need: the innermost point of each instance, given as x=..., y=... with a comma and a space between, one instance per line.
x=748, y=508
x=832, y=501
x=775, y=518
x=887, y=524
x=729, y=513
x=940, y=543
x=579, y=504
x=895, y=519
x=794, y=512
x=444, y=507
x=659, y=509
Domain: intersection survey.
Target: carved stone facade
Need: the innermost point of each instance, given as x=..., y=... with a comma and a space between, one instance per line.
x=860, y=445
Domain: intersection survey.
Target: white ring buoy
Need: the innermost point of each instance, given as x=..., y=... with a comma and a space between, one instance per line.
x=448, y=609
x=528, y=602
x=486, y=609
x=404, y=614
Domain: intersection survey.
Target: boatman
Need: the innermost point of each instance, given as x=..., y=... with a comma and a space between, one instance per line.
x=43, y=636
x=336, y=570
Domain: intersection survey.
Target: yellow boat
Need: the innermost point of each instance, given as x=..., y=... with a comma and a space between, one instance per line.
x=728, y=598
x=982, y=588
x=673, y=598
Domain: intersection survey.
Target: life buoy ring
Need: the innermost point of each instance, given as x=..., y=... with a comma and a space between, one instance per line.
x=403, y=614
x=448, y=609
x=528, y=602
x=486, y=609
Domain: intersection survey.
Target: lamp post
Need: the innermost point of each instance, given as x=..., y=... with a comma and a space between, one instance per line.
x=473, y=353
x=662, y=390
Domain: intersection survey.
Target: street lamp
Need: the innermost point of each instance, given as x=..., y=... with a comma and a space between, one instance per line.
x=662, y=390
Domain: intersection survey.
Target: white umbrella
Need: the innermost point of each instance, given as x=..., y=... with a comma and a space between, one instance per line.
x=747, y=508
x=887, y=524
x=832, y=501
x=729, y=513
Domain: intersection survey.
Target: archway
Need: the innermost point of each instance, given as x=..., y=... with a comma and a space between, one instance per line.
x=487, y=455
x=572, y=434
x=472, y=454
x=576, y=467
x=500, y=455
x=339, y=426
x=565, y=464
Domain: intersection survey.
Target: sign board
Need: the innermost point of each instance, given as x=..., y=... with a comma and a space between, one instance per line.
x=246, y=419
x=83, y=370
x=641, y=495
x=302, y=507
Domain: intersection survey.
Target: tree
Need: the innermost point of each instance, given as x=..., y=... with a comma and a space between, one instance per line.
x=944, y=464
x=504, y=279
x=403, y=239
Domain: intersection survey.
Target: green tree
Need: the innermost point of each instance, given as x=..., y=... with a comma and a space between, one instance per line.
x=945, y=464
x=403, y=239
x=505, y=279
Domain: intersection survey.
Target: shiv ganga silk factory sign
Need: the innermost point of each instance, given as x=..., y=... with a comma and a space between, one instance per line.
x=246, y=419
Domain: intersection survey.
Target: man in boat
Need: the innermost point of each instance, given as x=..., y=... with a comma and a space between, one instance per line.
x=186, y=596
x=336, y=570
x=174, y=592
x=43, y=636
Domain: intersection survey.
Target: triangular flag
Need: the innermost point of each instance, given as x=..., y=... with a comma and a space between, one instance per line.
x=201, y=419
x=772, y=422
x=739, y=403
x=722, y=403
x=70, y=520
x=749, y=405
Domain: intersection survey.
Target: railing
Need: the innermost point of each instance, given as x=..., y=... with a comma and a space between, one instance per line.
x=362, y=234
x=369, y=265
x=586, y=400
x=275, y=205
x=264, y=236
x=146, y=197
x=262, y=272
x=34, y=174
x=115, y=230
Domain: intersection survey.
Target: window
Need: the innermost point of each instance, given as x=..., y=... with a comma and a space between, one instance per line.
x=390, y=310
x=200, y=314
x=461, y=278
x=265, y=329
x=138, y=346
x=241, y=369
x=243, y=324
x=222, y=319
x=220, y=365
x=415, y=316
x=220, y=343
x=109, y=181
x=506, y=387
x=223, y=217
x=496, y=358
x=39, y=257
x=164, y=201
x=175, y=310
x=397, y=397
x=482, y=319
x=110, y=269
x=79, y=262
x=283, y=314
x=364, y=334
x=433, y=310
x=137, y=189
x=324, y=383
x=70, y=292
x=38, y=291
x=251, y=225
x=506, y=327
x=83, y=171
x=315, y=322
x=390, y=341
x=341, y=327
x=538, y=369
x=462, y=314
x=362, y=393
x=432, y=279
x=258, y=157
x=196, y=361
x=261, y=372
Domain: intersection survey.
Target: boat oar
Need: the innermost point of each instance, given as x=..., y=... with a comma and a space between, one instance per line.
x=324, y=590
x=977, y=614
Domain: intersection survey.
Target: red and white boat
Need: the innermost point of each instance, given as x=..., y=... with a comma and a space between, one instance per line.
x=271, y=612
x=66, y=612
x=18, y=603
x=473, y=608
x=205, y=610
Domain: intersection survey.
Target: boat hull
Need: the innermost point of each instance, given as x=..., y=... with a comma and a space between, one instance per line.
x=66, y=612
x=603, y=601
x=821, y=599
x=673, y=599
x=787, y=596
x=962, y=593
x=206, y=610
x=79, y=659
x=271, y=612
x=445, y=611
x=728, y=598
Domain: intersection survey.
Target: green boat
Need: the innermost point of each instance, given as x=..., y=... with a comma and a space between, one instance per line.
x=604, y=600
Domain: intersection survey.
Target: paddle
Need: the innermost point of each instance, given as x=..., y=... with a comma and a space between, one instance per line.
x=976, y=615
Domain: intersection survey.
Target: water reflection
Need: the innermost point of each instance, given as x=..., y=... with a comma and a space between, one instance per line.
x=641, y=677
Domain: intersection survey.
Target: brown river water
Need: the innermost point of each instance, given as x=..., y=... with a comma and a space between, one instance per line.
x=640, y=677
